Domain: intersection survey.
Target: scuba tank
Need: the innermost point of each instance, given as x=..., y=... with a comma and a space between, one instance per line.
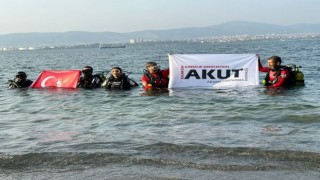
x=298, y=75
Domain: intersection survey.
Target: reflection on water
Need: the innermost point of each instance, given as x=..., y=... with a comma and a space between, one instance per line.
x=155, y=92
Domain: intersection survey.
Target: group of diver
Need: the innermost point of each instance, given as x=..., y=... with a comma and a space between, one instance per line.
x=155, y=78
x=115, y=79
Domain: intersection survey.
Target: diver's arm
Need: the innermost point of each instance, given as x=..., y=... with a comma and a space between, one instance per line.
x=145, y=81
x=261, y=68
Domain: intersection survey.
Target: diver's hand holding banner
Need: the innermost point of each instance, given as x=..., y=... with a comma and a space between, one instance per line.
x=213, y=70
x=57, y=78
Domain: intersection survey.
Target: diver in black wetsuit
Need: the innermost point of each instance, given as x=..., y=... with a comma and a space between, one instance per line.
x=20, y=81
x=118, y=80
x=88, y=80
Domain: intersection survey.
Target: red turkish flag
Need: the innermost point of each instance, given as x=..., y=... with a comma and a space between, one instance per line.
x=57, y=78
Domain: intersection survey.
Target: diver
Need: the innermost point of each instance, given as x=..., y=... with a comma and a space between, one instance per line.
x=88, y=80
x=277, y=75
x=295, y=74
x=118, y=80
x=154, y=77
x=20, y=81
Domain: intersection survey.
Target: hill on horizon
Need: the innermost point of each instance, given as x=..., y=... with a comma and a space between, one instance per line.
x=224, y=29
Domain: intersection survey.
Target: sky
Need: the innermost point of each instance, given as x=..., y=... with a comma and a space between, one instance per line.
x=22, y=16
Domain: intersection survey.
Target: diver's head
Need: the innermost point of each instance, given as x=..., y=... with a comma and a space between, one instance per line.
x=87, y=70
x=116, y=72
x=274, y=62
x=152, y=67
x=21, y=76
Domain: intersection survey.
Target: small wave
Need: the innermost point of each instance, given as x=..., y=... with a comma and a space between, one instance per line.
x=193, y=156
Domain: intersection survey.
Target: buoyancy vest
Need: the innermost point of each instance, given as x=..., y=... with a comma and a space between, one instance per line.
x=157, y=81
x=18, y=84
x=120, y=83
x=272, y=77
x=93, y=81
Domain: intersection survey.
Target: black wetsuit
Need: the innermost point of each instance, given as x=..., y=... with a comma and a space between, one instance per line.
x=93, y=81
x=19, y=84
x=122, y=82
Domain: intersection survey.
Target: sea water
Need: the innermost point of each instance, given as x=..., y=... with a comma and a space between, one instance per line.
x=190, y=133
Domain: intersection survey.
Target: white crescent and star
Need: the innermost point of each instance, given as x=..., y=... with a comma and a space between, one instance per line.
x=43, y=83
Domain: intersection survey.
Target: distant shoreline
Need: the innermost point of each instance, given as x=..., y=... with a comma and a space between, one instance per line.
x=218, y=39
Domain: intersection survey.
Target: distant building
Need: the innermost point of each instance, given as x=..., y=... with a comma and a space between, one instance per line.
x=132, y=41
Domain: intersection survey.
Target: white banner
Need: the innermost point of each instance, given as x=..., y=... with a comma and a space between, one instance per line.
x=213, y=70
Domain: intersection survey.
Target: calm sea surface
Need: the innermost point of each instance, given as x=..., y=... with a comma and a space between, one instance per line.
x=240, y=133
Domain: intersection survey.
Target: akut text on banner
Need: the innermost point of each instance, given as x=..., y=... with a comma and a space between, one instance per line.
x=213, y=70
